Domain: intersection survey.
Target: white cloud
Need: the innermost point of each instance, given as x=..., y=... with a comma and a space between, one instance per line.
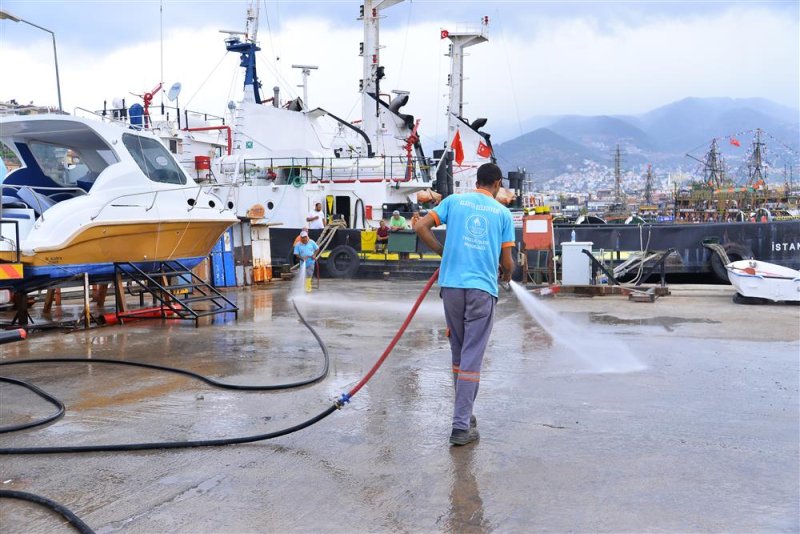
x=560, y=66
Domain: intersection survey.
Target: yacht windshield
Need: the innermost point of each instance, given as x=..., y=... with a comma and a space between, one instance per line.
x=154, y=159
x=71, y=165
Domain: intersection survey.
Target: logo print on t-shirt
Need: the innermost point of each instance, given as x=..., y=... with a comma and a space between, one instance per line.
x=477, y=225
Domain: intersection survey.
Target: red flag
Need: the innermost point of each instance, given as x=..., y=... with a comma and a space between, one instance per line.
x=735, y=142
x=458, y=148
x=445, y=34
x=483, y=150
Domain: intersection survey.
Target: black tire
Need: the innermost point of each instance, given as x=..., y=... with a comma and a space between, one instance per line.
x=735, y=252
x=342, y=262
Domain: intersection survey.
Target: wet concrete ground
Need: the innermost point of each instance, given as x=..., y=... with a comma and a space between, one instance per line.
x=705, y=439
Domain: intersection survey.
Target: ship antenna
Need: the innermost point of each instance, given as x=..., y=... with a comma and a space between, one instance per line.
x=247, y=51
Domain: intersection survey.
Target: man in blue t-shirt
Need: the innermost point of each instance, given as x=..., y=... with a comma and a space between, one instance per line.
x=480, y=235
x=305, y=250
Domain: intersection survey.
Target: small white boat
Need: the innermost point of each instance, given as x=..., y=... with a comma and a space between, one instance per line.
x=758, y=281
x=87, y=195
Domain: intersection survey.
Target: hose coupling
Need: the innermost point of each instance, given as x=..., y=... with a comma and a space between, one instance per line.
x=342, y=400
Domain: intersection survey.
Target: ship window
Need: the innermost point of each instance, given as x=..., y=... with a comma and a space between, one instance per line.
x=153, y=159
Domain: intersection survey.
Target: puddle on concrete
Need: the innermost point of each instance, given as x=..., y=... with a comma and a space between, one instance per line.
x=667, y=322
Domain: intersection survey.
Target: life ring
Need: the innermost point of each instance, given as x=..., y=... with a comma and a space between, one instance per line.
x=342, y=262
x=735, y=252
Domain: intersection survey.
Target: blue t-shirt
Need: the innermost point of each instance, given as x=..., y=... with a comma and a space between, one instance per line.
x=478, y=227
x=307, y=249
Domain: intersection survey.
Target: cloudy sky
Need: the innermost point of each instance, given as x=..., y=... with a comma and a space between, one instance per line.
x=542, y=58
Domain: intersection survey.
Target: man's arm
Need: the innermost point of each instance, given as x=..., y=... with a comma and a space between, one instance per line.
x=507, y=263
x=424, y=229
x=312, y=218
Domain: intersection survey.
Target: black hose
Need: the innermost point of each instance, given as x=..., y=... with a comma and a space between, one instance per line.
x=171, y=444
x=179, y=444
x=356, y=212
x=43, y=394
x=74, y=520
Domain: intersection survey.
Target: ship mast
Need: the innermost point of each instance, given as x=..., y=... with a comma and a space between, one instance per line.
x=756, y=177
x=460, y=40
x=619, y=202
x=247, y=50
x=648, y=186
x=713, y=166
x=373, y=71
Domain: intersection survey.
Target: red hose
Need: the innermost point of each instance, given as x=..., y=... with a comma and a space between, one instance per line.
x=395, y=339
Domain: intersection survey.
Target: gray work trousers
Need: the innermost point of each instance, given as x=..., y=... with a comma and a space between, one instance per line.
x=469, y=314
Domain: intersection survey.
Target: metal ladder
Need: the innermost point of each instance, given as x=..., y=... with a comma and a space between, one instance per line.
x=167, y=285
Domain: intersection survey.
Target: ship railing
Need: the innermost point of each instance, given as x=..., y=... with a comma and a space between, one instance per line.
x=224, y=203
x=469, y=28
x=41, y=202
x=299, y=171
x=155, y=120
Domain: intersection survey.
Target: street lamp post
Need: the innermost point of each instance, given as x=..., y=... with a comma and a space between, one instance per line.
x=9, y=16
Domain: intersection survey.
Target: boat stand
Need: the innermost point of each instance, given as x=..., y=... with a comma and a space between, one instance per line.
x=660, y=258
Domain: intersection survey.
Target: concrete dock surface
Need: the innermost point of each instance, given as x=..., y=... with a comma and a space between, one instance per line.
x=704, y=438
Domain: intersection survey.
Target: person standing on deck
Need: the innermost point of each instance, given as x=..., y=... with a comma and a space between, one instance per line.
x=397, y=222
x=316, y=219
x=480, y=234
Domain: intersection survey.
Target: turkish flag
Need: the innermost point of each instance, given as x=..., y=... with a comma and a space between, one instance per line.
x=483, y=150
x=735, y=142
x=445, y=34
x=458, y=148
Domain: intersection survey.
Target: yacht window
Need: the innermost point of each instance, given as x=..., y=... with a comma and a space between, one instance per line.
x=153, y=159
x=9, y=156
x=67, y=165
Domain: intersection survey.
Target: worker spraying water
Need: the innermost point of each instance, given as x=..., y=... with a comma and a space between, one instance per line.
x=480, y=234
x=305, y=250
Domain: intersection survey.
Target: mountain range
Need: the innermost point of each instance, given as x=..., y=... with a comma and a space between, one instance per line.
x=565, y=144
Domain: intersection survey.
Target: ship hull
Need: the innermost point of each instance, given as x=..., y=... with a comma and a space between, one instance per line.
x=774, y=242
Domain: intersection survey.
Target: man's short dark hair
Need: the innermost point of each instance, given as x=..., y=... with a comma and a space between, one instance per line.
x=489, y=173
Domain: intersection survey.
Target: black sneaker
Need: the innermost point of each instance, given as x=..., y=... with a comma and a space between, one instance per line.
x=461, y=437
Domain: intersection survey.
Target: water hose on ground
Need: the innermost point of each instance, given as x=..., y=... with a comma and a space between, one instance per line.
x=222, y=385
x=337, y=404
x=73, y=520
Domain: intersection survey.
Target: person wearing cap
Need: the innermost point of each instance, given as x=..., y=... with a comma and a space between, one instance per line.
x=297, y=239
x=480, y=235
x=397, y=222
x=305, y=250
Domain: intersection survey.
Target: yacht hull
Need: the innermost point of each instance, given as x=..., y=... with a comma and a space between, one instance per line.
x=95, y=249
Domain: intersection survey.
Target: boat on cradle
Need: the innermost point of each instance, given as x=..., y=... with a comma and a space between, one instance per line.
x=88, y=194
x=757, y=282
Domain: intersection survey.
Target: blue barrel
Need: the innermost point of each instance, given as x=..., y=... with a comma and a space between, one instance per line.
x=222, y=266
